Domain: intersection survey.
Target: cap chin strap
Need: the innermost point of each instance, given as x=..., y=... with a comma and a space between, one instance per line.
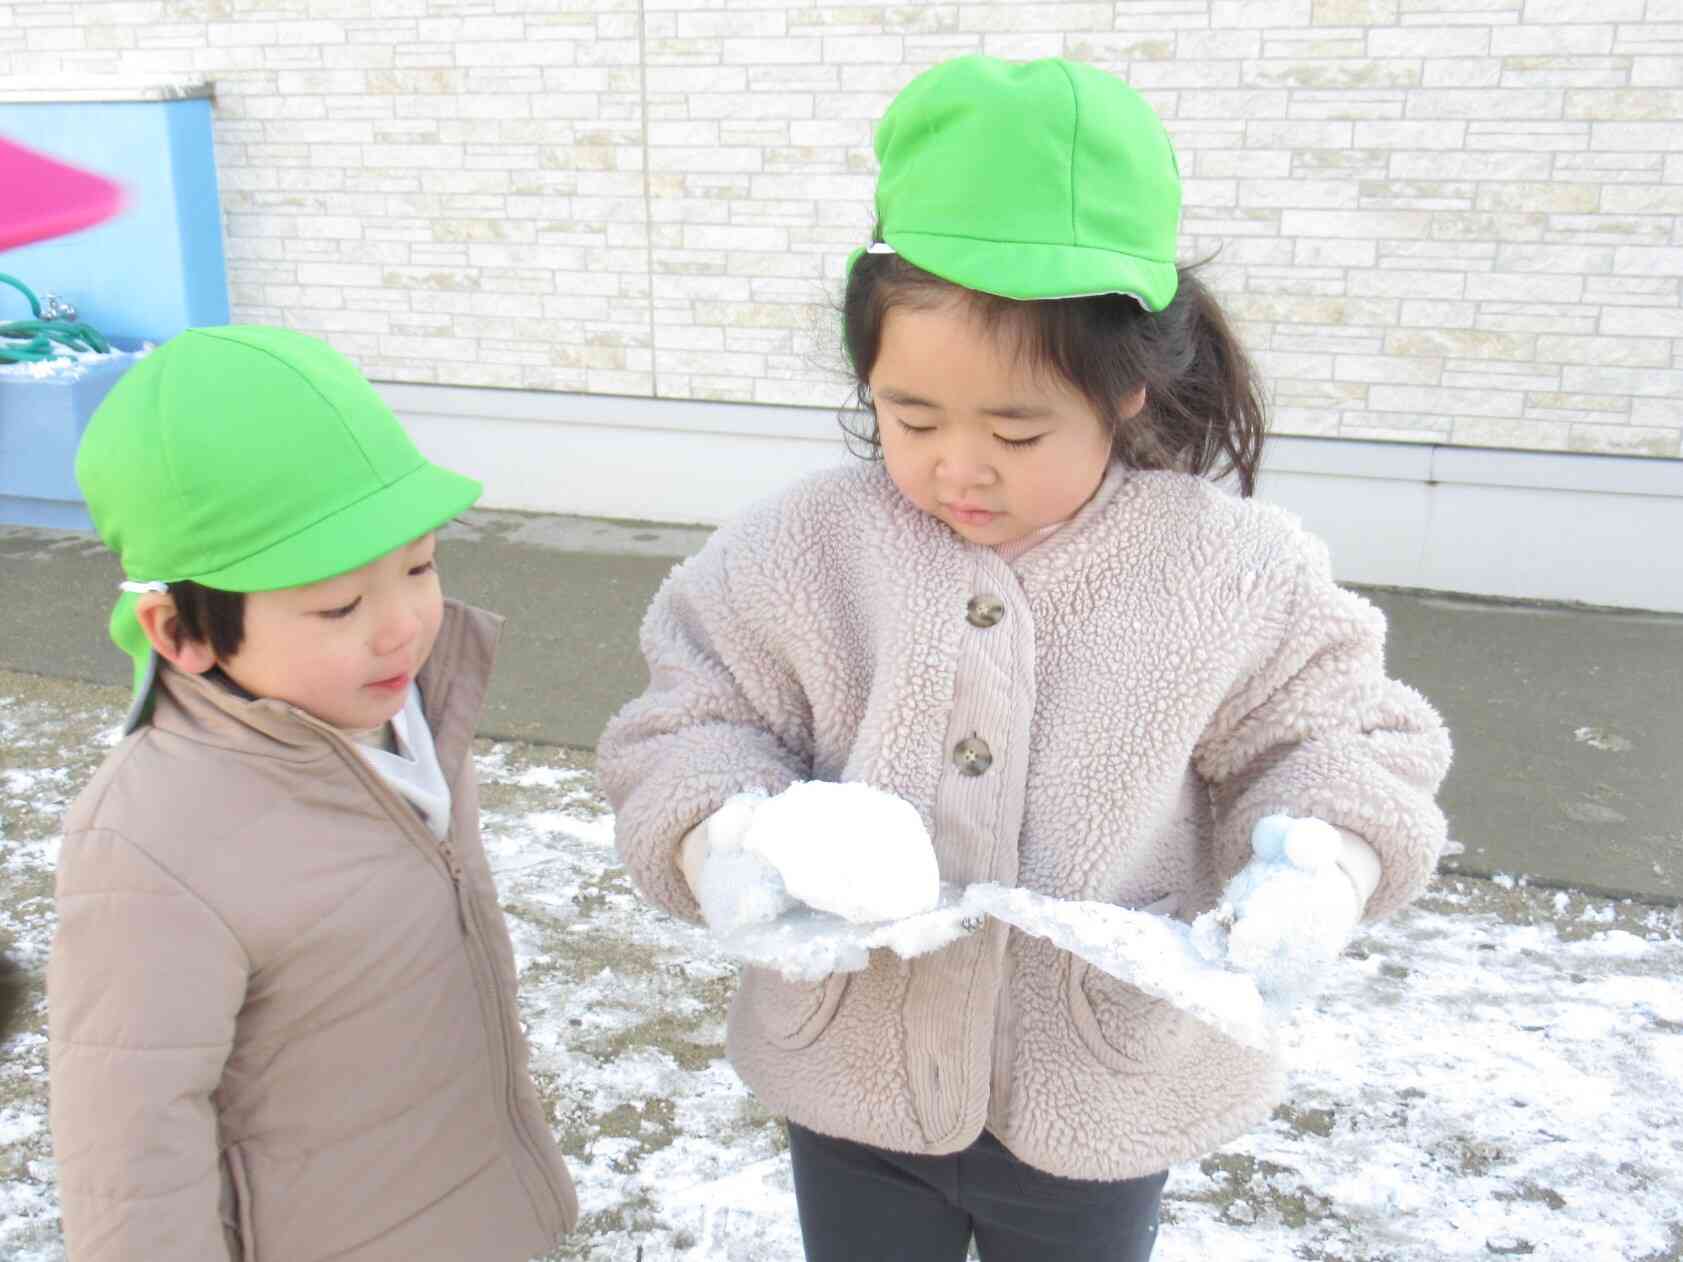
x=139, y=588
x=880, y=247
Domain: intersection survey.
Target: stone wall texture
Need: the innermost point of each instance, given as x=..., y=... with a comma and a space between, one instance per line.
x=1448, y=221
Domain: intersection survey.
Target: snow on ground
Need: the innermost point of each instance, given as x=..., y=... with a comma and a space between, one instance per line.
x=1496, y=1072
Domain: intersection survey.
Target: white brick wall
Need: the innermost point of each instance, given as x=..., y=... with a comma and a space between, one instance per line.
x=1455, y=221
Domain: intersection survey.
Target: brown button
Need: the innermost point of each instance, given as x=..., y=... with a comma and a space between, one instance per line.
x=972, y=756
x=984, y=611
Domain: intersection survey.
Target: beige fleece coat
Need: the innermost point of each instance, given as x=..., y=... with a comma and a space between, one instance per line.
x=282, y=1014
x=1173, y=665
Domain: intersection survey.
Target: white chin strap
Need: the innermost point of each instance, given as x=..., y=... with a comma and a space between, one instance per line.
x=131, y=585
x=880, y=247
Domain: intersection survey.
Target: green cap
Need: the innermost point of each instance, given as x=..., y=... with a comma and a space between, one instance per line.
x=1040, y=179
x=249, y=458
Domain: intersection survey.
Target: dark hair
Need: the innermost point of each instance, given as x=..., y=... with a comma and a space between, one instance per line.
x=209, y=615
x=1203, y=411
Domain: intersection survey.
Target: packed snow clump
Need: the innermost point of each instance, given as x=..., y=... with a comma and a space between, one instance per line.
x=848, y=849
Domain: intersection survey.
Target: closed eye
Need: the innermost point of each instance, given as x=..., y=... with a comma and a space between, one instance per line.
x=1019, y=442
x=343, y=611
x=426, y=567
x=914, y=429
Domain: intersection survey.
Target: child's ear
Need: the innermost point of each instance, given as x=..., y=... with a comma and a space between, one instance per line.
x=157, y=615
x=1133, y=404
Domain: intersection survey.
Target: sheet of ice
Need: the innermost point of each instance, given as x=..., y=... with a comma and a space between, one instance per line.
x=848, y=849
x=806, y=944
x=1153, y=953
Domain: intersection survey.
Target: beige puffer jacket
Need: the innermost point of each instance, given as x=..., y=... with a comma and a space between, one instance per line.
x=1168, y=668
x=282, y=1015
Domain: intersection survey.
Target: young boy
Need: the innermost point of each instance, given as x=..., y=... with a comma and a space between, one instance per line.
x=281, y=994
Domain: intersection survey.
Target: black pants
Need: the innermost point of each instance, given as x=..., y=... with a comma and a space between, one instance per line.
x=864, y=1204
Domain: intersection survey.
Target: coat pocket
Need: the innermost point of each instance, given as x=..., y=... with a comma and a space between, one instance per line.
x=791, y=1015
x=236, y=1207
x=1124, y=1028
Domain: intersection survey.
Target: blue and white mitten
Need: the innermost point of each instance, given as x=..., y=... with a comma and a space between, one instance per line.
x=1293, y=908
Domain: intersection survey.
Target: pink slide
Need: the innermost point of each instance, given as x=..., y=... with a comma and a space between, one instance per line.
x=41, y=197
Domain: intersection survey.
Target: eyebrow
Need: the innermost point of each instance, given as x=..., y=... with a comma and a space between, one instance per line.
x=1019, y=412
x=904, y=398
x=1007, y=412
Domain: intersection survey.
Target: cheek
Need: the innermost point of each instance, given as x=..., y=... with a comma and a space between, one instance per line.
x=903, y=470
x=431, y=613
x=1067, y=479
x=1091, y=455
x=331, y=657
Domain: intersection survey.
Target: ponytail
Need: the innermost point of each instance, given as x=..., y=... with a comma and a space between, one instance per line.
x=1204, y=411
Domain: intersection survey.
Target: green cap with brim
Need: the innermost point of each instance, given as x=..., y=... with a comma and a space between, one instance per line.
x=1030, y=180
x=249, y=459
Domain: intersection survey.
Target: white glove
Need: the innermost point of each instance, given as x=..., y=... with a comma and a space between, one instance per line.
x=734, y=887
x=1293, y=908
x=847, y=849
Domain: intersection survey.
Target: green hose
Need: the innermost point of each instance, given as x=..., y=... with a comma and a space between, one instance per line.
x=30, y=341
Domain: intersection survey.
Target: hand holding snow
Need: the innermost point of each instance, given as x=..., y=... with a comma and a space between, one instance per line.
x=733, y=887
x=858, y=858
x=847, y=849
x=1288, y=913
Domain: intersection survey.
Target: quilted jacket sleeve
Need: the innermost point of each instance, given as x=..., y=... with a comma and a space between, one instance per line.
x=1318, y=729
x=723, y=712
x=143, y=988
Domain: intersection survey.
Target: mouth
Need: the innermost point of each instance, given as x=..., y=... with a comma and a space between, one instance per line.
x=970, y=515
x=397, y=683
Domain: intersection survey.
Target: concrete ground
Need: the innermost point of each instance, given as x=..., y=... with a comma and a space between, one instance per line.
x=1568, y=722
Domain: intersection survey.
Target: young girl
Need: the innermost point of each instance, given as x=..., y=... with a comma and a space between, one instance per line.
x=1092, y=671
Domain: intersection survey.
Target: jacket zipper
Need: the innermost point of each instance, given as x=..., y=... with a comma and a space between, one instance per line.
x=478, y=954
x=511, y=1098
x=445, y=655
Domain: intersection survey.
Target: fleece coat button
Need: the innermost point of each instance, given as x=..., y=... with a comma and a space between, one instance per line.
x=972, y=756
x=984, y=611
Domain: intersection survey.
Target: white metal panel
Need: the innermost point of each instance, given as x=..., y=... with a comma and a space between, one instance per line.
x=1604, y=530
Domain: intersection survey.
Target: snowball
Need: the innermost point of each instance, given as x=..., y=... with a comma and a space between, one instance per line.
x=848, y=849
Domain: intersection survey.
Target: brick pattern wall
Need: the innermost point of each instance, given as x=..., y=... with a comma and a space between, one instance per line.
x=1438, y=220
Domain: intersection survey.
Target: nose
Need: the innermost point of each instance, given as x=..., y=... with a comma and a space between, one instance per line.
x=963, y=462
